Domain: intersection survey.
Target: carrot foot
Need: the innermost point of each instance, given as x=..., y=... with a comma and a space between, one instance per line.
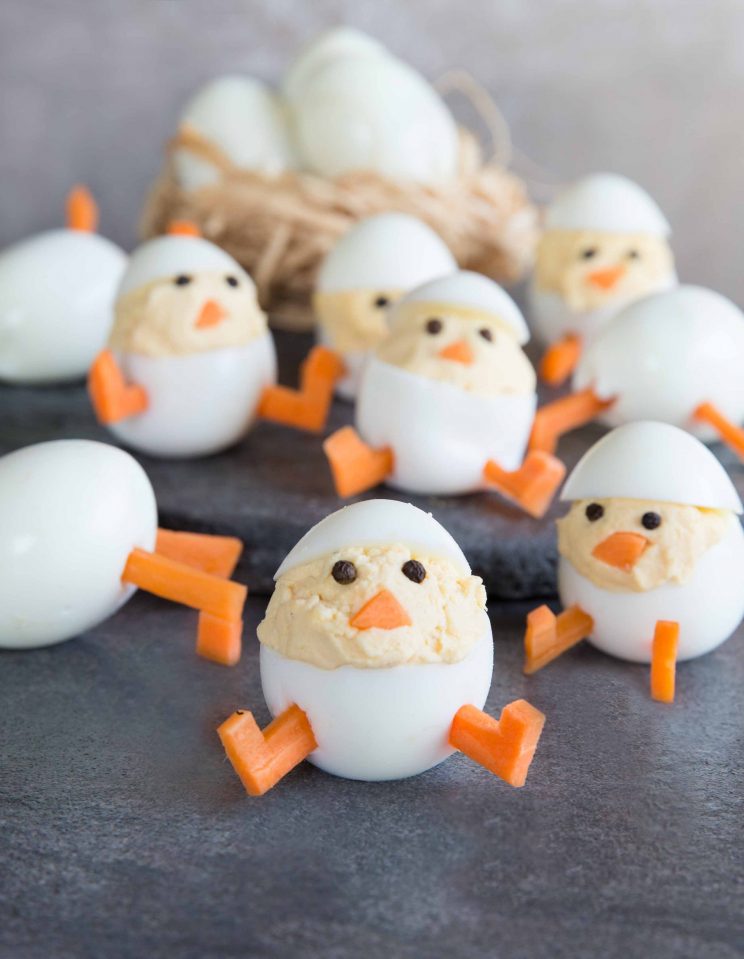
x=261, y=759
x=306, y=408
x=548, y=635
x=82, y=210
x=219, y=640
x=565, y=414
x=112, y=398
x=533, y=485
x=560, y=359
x=217, y=555
x=732, y=435
x=355, y=466
x=664, y=661
x=506, y=746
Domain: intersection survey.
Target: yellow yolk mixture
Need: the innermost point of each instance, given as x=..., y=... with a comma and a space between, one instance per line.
x=354, y=320
x=308, y=616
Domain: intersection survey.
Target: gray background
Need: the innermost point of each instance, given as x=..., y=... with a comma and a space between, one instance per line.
x=89, y=90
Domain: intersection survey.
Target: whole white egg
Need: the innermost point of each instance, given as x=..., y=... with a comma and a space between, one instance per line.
x=71, y=511
x=331, y=45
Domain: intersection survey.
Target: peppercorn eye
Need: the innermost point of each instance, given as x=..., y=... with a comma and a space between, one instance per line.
x=486, y=334
x=182, y=280
x=588, y=252
x=231, y=280
x=633, y=255
x=344, y=572
x=651, y=520
x=414, y=570
x=434, y=326
x=381, y=302
x=594, y=512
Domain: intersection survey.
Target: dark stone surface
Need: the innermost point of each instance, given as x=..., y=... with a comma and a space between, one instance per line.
x=125, y=833
x=275, y=485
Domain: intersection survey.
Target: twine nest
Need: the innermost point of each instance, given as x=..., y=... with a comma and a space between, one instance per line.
x=280, y=228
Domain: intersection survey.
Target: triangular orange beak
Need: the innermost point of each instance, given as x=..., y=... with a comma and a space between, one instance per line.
x=211, y=314
x=606, y=279
x=383, y=611
x=622, y=550
x=459, y=351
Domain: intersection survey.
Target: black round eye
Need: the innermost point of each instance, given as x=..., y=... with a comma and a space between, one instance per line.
x=232, y=280
x=414, y=570
x=594, y=512
x=434, y=326
x=381, y=302
x=633, y=255
x=651, y=521
x=486, y=334
x=182, y=280
x=588, y=253
x=344, y=572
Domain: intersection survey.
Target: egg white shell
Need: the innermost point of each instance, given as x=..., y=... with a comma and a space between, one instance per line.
x=708, y=607
x=71, y=511
x=246, y=120
x=377, y=724
x=374, y=113
x=57, y=294
x=607, y=202
x=551, y=318
x=167, y=256
x=332, y=45
x=664, y=355
x=199, y=403
x=441, y=436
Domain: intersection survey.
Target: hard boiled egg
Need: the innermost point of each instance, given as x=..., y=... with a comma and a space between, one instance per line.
x=340, y=42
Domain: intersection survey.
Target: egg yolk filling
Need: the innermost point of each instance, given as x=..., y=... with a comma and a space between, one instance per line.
x=590, y=269
x=467, y=348
x=374, y=607
x=603, y=540
x=354, y=321
x=187, y=313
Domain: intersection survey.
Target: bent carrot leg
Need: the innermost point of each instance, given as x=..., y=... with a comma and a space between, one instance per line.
x=306, y=408
x=565, y=414
x=82, y=210
x=261, y=759
x=505, y=746
x=112, y=398
x=217, y=555
x=664, y=661
x=732, y=435
x=219, y=640
x=559, y=360
x=355, y=466
x=533, y=485
x=548, y=635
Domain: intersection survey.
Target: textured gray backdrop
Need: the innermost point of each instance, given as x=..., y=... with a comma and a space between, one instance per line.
x=89, y=89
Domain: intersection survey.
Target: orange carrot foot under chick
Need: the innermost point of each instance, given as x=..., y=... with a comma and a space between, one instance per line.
x=562, y=416
x=731, y=434
x=533, y=485
x=112, y=397
x=559, y=360
x=355, y=466
x=306, y=408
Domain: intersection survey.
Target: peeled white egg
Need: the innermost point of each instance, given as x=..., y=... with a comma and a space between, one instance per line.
x=374, y=113
x=57, y=294
x=665, y=355
x=71, y=511
x=246, y=120
x=331, y=45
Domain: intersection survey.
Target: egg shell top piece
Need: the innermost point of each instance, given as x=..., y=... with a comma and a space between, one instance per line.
x=664, y=355
x=608, y=202
x=652, y=461
x=329, y=46
x=166, y=256
x=472, y=290
x=71, y=511
x=57, y=294
x=387, y=251
x=375, y=522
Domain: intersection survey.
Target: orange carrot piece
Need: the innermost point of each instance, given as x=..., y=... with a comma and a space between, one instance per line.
x=560, y=359
x=219, y=640
x=182, y=584
x=82, y=210
x=533, y=485
x=112, y=398
x=261, y=759
x=355, y=466
x=622, y=550
x=548, y=636
x=460, y=352
x=308, y=407
x=567, y=413
x=504, y=747
x=217, y=555
x=383, y=611
x=664, y=661
x=732, y=435
x=605, y=279
x=183, y=228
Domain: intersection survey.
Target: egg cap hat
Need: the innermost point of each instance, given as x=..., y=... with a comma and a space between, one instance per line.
x=167, y=256
x=609, y=203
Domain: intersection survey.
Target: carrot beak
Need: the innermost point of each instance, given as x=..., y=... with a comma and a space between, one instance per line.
x=459, y=351
x=606, y=279
x=211, y=314
x=622, y=550
x=383, y=611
